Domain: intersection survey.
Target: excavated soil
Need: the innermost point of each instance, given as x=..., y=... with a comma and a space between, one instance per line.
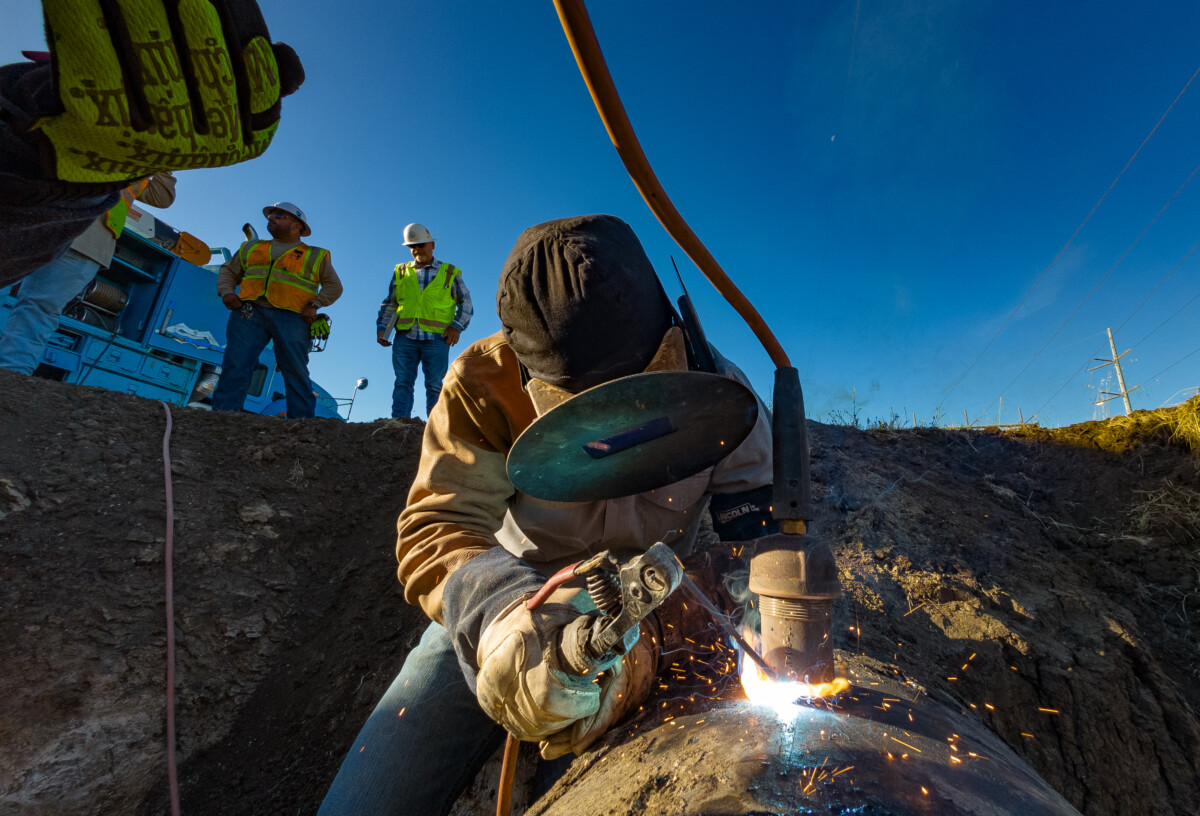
x=1044, y=582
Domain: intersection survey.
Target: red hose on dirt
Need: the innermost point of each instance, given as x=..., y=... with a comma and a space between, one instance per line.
x=172, y=772
x=577, y=25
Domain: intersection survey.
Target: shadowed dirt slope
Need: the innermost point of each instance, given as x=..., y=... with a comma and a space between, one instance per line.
x=1059, y=568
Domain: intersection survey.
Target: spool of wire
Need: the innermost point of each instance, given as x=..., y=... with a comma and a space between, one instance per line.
x=104, y=295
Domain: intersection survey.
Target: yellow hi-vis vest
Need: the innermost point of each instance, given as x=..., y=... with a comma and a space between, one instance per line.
x=431, y=308
x=114, y=219
x=290, y=282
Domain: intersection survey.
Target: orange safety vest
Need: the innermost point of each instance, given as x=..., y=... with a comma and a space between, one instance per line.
x=289, y=282
x=114, y=219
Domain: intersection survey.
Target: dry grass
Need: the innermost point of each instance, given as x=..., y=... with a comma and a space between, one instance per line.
x=1170, y=511
x=1184, y=423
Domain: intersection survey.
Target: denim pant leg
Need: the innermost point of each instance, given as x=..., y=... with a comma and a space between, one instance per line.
x=421, y=746
x=293, y=339
x=435, y=359
x=40, y=301
x=406, y=356
x=245, y=337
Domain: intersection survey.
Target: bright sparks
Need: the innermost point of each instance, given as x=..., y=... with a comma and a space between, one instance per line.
x=785, y=698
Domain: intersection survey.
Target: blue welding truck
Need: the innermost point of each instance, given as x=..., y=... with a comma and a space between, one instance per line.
x=152, y=325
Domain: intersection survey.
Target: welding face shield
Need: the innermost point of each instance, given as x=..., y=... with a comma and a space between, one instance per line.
x=580, y=305
x=598, y=343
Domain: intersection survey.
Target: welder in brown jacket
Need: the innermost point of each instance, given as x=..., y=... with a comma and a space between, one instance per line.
x=580, y=305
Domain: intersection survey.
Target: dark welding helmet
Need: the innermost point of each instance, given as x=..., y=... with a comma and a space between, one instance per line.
x=605, y=363
x=580, y=303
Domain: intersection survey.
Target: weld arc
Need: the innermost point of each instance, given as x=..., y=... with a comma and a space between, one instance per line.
x=1070, y=240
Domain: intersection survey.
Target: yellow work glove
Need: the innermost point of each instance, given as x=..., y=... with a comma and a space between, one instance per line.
x=319, y=328
x=150, y=85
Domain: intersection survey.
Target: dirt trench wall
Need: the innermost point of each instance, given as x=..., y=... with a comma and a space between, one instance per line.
x=289, y=619
x=1011, y=580
x=1007, y=575
x=1027, y=570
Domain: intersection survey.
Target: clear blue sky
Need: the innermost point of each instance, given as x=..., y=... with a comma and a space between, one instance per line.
x=886, y=181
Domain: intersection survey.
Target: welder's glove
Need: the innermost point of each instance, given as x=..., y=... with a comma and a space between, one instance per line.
x=149, y=85
x=622, y=690
x=523, y=683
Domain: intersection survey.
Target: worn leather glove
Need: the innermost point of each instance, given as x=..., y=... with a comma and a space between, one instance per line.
x=149, y=85
x=523, y=683
x=622, y=690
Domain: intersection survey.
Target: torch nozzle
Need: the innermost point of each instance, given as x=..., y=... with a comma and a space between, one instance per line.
x=795, y=578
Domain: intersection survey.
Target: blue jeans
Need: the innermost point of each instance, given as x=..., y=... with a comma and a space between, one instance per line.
x=434, y=358
x=40, y=301
x=423, y=743
x=246, y=335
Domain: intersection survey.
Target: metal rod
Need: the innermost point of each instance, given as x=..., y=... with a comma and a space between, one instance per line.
x=728, y=627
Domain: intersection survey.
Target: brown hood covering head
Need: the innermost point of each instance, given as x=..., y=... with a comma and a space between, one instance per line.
x=580, y=303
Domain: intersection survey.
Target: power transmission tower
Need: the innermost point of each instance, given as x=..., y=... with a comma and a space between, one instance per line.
x=1115, y=362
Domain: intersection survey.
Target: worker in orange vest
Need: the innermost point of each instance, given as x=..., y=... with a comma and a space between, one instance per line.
x=273, y=290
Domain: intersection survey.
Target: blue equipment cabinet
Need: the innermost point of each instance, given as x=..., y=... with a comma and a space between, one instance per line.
x=152, y=325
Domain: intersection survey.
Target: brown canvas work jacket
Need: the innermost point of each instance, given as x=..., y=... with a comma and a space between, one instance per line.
x=462, y=503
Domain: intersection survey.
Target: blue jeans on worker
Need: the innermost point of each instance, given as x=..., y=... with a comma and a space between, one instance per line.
x=428, y=737
x=40, y=301
x=249, y=330
x=433, y=357
x=423, y=743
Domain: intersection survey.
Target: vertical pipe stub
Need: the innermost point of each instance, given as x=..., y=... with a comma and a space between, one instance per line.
x=796, y=580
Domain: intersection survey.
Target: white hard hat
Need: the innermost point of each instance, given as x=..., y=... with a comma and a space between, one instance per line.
x=291, y=209
x=416, y=234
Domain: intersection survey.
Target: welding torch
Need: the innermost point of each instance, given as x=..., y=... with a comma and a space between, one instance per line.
x=794, y=575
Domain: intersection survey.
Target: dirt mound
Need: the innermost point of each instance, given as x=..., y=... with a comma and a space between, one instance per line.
x=1042, y=582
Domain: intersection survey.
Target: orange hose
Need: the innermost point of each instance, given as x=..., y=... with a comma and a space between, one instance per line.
x=582, y=37
x=508, y=772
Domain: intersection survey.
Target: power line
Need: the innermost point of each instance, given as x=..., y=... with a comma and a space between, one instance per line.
x=1160, y=325
x=1096, y=288
x=1079, y=370
x=1174, y=269
x=1172, y=365
x=1070, y=240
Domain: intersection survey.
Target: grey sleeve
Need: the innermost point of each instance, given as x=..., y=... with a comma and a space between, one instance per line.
x=331, y=285
x=387, y=310
x=39, y=215
x=230, y=275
